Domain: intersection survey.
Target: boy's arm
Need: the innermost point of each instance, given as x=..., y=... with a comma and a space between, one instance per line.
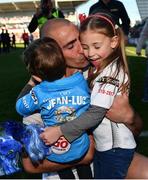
x=27, y=102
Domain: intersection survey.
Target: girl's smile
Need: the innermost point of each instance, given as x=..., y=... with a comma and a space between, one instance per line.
x=97, y=46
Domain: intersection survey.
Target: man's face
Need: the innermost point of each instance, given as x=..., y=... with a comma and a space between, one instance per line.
x=68, y=39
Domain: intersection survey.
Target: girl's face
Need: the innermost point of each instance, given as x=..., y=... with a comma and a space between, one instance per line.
x=97, y=46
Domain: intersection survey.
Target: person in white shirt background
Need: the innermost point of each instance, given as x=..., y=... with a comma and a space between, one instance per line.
x=143, y=42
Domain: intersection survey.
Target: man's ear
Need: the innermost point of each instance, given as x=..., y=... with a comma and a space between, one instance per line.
x=38, y=79
x=114, y=42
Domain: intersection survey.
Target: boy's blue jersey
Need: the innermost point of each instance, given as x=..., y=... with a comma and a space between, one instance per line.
x=58, y=102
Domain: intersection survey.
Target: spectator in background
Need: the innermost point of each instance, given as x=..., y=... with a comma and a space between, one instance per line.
x=25, y=38
x=7, y=41
x=43, y=13
x=116, y=9
x=82, y=17
x=31, y=38
x=143, y=42
x=13, y=41
x=3, y=40
x=0, y=43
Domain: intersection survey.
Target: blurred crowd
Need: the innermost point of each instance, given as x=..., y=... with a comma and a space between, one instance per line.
x=135, y=31
x=8, y=40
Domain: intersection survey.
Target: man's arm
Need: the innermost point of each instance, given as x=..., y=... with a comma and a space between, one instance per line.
x=31, y=83
x=122, y=112
x=33, y=24
x=136, y=126
x=138, y=168
x=125, y=19
x=34, y=21
x=48, y=166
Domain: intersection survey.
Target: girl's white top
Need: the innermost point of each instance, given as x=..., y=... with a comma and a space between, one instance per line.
x=108, y=134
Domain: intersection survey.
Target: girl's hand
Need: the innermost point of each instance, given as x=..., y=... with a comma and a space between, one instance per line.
x=51, y=135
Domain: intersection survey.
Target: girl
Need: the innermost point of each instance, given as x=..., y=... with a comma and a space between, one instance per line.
x=103, y=44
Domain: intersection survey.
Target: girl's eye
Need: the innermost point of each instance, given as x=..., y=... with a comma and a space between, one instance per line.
x=97, y=47
x=84, y=47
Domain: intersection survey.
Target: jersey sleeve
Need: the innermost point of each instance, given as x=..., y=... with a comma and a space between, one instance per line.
x=27, y=104
x=104, y=91
x=89, y=119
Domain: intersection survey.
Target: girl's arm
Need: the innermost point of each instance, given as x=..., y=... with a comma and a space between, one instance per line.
x=73, y=129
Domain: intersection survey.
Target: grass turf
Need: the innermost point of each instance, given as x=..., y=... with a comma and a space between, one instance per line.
x=13, y=76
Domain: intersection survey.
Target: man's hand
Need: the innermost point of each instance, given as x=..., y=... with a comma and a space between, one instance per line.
x=34, y=80
x=51, y=135
x=121, y=111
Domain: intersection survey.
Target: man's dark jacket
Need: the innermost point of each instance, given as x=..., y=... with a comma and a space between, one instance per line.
x=116, y=9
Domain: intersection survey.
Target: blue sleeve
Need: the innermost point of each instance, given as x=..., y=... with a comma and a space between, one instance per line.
x=27, y=104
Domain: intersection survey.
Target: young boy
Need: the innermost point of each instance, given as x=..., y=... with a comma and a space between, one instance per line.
x=58, y=99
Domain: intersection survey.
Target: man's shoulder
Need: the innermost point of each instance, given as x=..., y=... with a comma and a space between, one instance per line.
x=118, y=3
x=95, y=5
x=98, y=7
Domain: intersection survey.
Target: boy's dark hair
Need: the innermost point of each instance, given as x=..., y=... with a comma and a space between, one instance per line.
x=44, y=58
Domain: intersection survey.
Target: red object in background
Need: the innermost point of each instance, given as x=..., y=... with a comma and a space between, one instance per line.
x=82, y=17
